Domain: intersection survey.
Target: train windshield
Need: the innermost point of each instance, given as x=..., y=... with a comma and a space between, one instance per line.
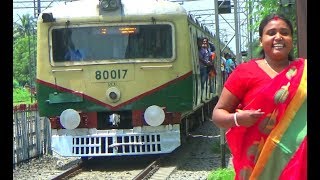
x=96, y=43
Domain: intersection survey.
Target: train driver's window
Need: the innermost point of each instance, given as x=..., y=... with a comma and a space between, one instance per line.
x=96, y=43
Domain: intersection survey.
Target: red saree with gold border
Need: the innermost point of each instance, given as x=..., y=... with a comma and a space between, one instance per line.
x=275, y=147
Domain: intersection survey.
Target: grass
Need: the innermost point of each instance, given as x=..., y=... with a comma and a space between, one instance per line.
x=222, y=174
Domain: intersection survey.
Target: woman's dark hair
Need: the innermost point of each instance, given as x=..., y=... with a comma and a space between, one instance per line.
x=266, y=20
x=200, y=41
x=205, y=38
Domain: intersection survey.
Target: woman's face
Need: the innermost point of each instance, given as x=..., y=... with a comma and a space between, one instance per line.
x=276, y=40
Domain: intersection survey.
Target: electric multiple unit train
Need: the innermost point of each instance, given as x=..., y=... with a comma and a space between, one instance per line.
x=121, y=77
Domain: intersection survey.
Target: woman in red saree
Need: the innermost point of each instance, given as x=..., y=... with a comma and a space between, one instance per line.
x=263, y=106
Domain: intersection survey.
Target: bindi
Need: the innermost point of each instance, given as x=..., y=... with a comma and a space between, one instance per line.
x=275, y=17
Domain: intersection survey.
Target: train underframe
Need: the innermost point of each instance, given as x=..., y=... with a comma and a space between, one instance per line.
x=138, y=140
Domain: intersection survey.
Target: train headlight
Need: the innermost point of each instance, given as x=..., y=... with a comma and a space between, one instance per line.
x=70, y=119
x=113, y=94
x=154, y=115
x=109, y=5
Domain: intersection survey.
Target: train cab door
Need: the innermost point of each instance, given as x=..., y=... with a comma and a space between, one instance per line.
x=195, y=67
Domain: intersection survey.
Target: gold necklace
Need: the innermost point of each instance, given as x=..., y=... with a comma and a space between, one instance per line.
x=271, y=67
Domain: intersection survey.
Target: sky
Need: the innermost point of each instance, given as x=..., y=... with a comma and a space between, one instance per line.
x=21, y=7
x=203, y=8
x=226, y=21
x=207, y=7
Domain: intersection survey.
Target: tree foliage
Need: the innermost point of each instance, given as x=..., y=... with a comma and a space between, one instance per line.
x=21, y=95
x=263, y=8
x=24, y=50
x=21, y=59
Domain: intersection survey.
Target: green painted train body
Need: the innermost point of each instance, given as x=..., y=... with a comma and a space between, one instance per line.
x=120, y=77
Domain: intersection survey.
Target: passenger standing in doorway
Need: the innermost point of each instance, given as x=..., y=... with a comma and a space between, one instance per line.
x=211, y=68
x=235, y=62
x=230, y=66
x=204, y=61
x=223, y=69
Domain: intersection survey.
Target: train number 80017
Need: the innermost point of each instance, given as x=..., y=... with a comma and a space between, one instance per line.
x=111, y=75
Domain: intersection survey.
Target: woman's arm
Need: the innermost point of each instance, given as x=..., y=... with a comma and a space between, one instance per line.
x=223, y=113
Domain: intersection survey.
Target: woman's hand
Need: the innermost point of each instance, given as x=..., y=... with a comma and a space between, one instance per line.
x=248, y=117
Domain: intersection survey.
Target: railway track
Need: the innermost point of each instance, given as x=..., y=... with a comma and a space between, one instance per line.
x=148, y=171
x=163, y=167
x=155, y=170
x=72, y=171
x=103, y=168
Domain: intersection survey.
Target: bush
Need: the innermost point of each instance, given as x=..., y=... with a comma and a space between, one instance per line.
x=222, y=174
x=21, y=95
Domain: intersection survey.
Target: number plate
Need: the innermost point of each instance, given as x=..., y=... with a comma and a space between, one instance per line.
x=108, y=75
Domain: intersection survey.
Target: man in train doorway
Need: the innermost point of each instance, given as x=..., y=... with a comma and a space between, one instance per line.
x=204, y=61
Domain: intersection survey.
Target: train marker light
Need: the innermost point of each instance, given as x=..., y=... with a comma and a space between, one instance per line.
x=109, y=5
x=47, y=17
x=154, y=115
x=70, y=119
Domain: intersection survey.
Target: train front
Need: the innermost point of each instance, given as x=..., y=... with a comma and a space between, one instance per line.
x=108, y=77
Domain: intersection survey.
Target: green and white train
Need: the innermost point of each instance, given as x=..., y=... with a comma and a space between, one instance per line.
x=120, y=77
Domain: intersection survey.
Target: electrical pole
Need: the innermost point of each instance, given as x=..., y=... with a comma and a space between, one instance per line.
x=237, y=32
x=219, y=88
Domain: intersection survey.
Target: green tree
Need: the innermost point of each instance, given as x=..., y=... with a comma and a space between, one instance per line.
x=21, y=59
x=24, y=49
x=263, y=8
x=24, y=53
x=25, y=27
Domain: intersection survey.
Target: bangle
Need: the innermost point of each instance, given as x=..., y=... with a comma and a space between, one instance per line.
x=235, y=119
